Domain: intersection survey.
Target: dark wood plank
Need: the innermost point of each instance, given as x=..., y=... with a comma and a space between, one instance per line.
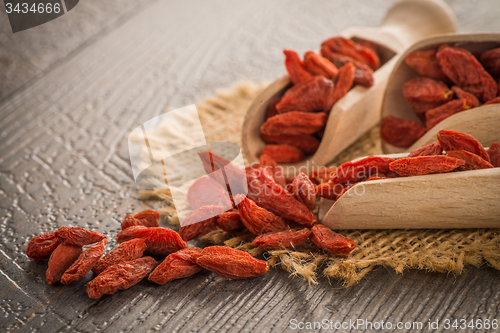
x=64, y=161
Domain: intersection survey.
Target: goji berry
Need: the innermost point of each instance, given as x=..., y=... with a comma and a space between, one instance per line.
x=147, y=218
x=343, y=83
x=466, y=72
x=400, y=132
x=307, y=143
x=462, y=94
x=453, y=140
x=78, y=236
x=41, y=247
x=363, y=74
x=230, y=221
x=258, y=220
x=177, y=265
x=495, y=100
x=329, y=190
x=436, y=115
x=308, y=96
x=120, y=276
x=199, y=222
x=354, y=50
x=318, y=65
x=159, y=241
x=472, y=161
x=326, y=239
x=349, y=172
x=60, y=260
x=423, y=93
x=84, y=263
x=126, y=251
x=206, y=191
x=294, y=123
x=494, y=153
x=490, y=60
x=303, y=190
x=287, y=238
x=430, y=149
x=283, y=153
x=426, y=63
x=322, y=173
x=423, y=165
x=231, y=263
x=271, y=110
x=295, y=67
x=267, y=162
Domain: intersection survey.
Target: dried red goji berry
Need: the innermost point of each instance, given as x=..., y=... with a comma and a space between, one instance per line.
x=490, y=60
x=426, y=63
x=308, y=96
x=423, y=93
x=206, y=191
x=284, y=153
x=199, y=222
x=258, y=220
x=177, y=265
x=303, y=190
x=472, y=161
x=295, y=67
x=307, y=143
x=323, y=173
x=363, y=75
x=84, y=263
x=326, y=239
x=294, y=123
x=60, y=260
x=231, y=263
x=400, y=132
x=436, y=115
x=494, y=153
x=120, y=276
x=78, y=236
x=423, y=165
x=430, y=149
x=230, y=221
x=159, y=241
x=318, y=65
x=147, y=218
x=467, y=72
x=355, y=50
x=343, y=83
x=271, y=110
x=41, y=247
x=287, y=238
x=350, y=172
x=329, y=190
x=126, y=251
x=267, y=162
x=453, y=140
x=495, y=100
x=462, y=94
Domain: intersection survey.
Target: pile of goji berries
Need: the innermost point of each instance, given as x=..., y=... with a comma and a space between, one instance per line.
x=473, y=83
x=454, y=151
x=296, y=121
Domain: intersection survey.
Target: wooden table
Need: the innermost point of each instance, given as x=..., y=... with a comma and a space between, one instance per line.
x=72, y=89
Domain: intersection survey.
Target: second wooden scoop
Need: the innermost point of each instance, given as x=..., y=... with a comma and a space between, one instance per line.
x=405, y=23
x=462, y=199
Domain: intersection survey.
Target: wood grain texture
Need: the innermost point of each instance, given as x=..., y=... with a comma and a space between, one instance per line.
x=64, y=160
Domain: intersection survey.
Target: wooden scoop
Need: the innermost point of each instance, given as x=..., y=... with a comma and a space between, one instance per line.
x=482, y=122
x=405, y=23
x=462, y=199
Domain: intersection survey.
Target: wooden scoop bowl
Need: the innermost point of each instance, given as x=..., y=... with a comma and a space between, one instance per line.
x=462, y=199
x=406, y=22
x=482, y=122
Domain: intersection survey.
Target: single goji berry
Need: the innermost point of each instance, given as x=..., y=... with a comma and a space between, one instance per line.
x=426, y=63
x=436, y=115
x=472, y=161
x=363, y=75
x=199, y=222
x=307, y=143
x=41, y=247
x=230, y=221
x=467, y=72
x=126, y=251
x=60, y=260
x=258, y=220
x=177, y=265
x=329, y=190
x=430, y=149
x=287, y=238
x=494, y=153
x=120, y=276
x=354, y=50
x=462, y=94
x=318, y=65
x=295, y=67
x=326, y=239
x=147, y=218
x=355, y=171
x=283, y=153
x=271, y=110
x=159, y=241
x=78, y=236
x=231, y=263
x=303, y=190
x=423, y=93
x=294, y=123
x=343, y=83
x=308, y=96
x=84, y=263
x=206, y=191
x=267, y=162
x=490, y=60
x=400, y=132
x=453, y=140
x=423, y=165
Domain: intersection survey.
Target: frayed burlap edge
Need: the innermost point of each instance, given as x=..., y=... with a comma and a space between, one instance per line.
x=444, y=251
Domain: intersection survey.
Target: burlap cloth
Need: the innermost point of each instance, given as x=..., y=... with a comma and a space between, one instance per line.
x=432, y=250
